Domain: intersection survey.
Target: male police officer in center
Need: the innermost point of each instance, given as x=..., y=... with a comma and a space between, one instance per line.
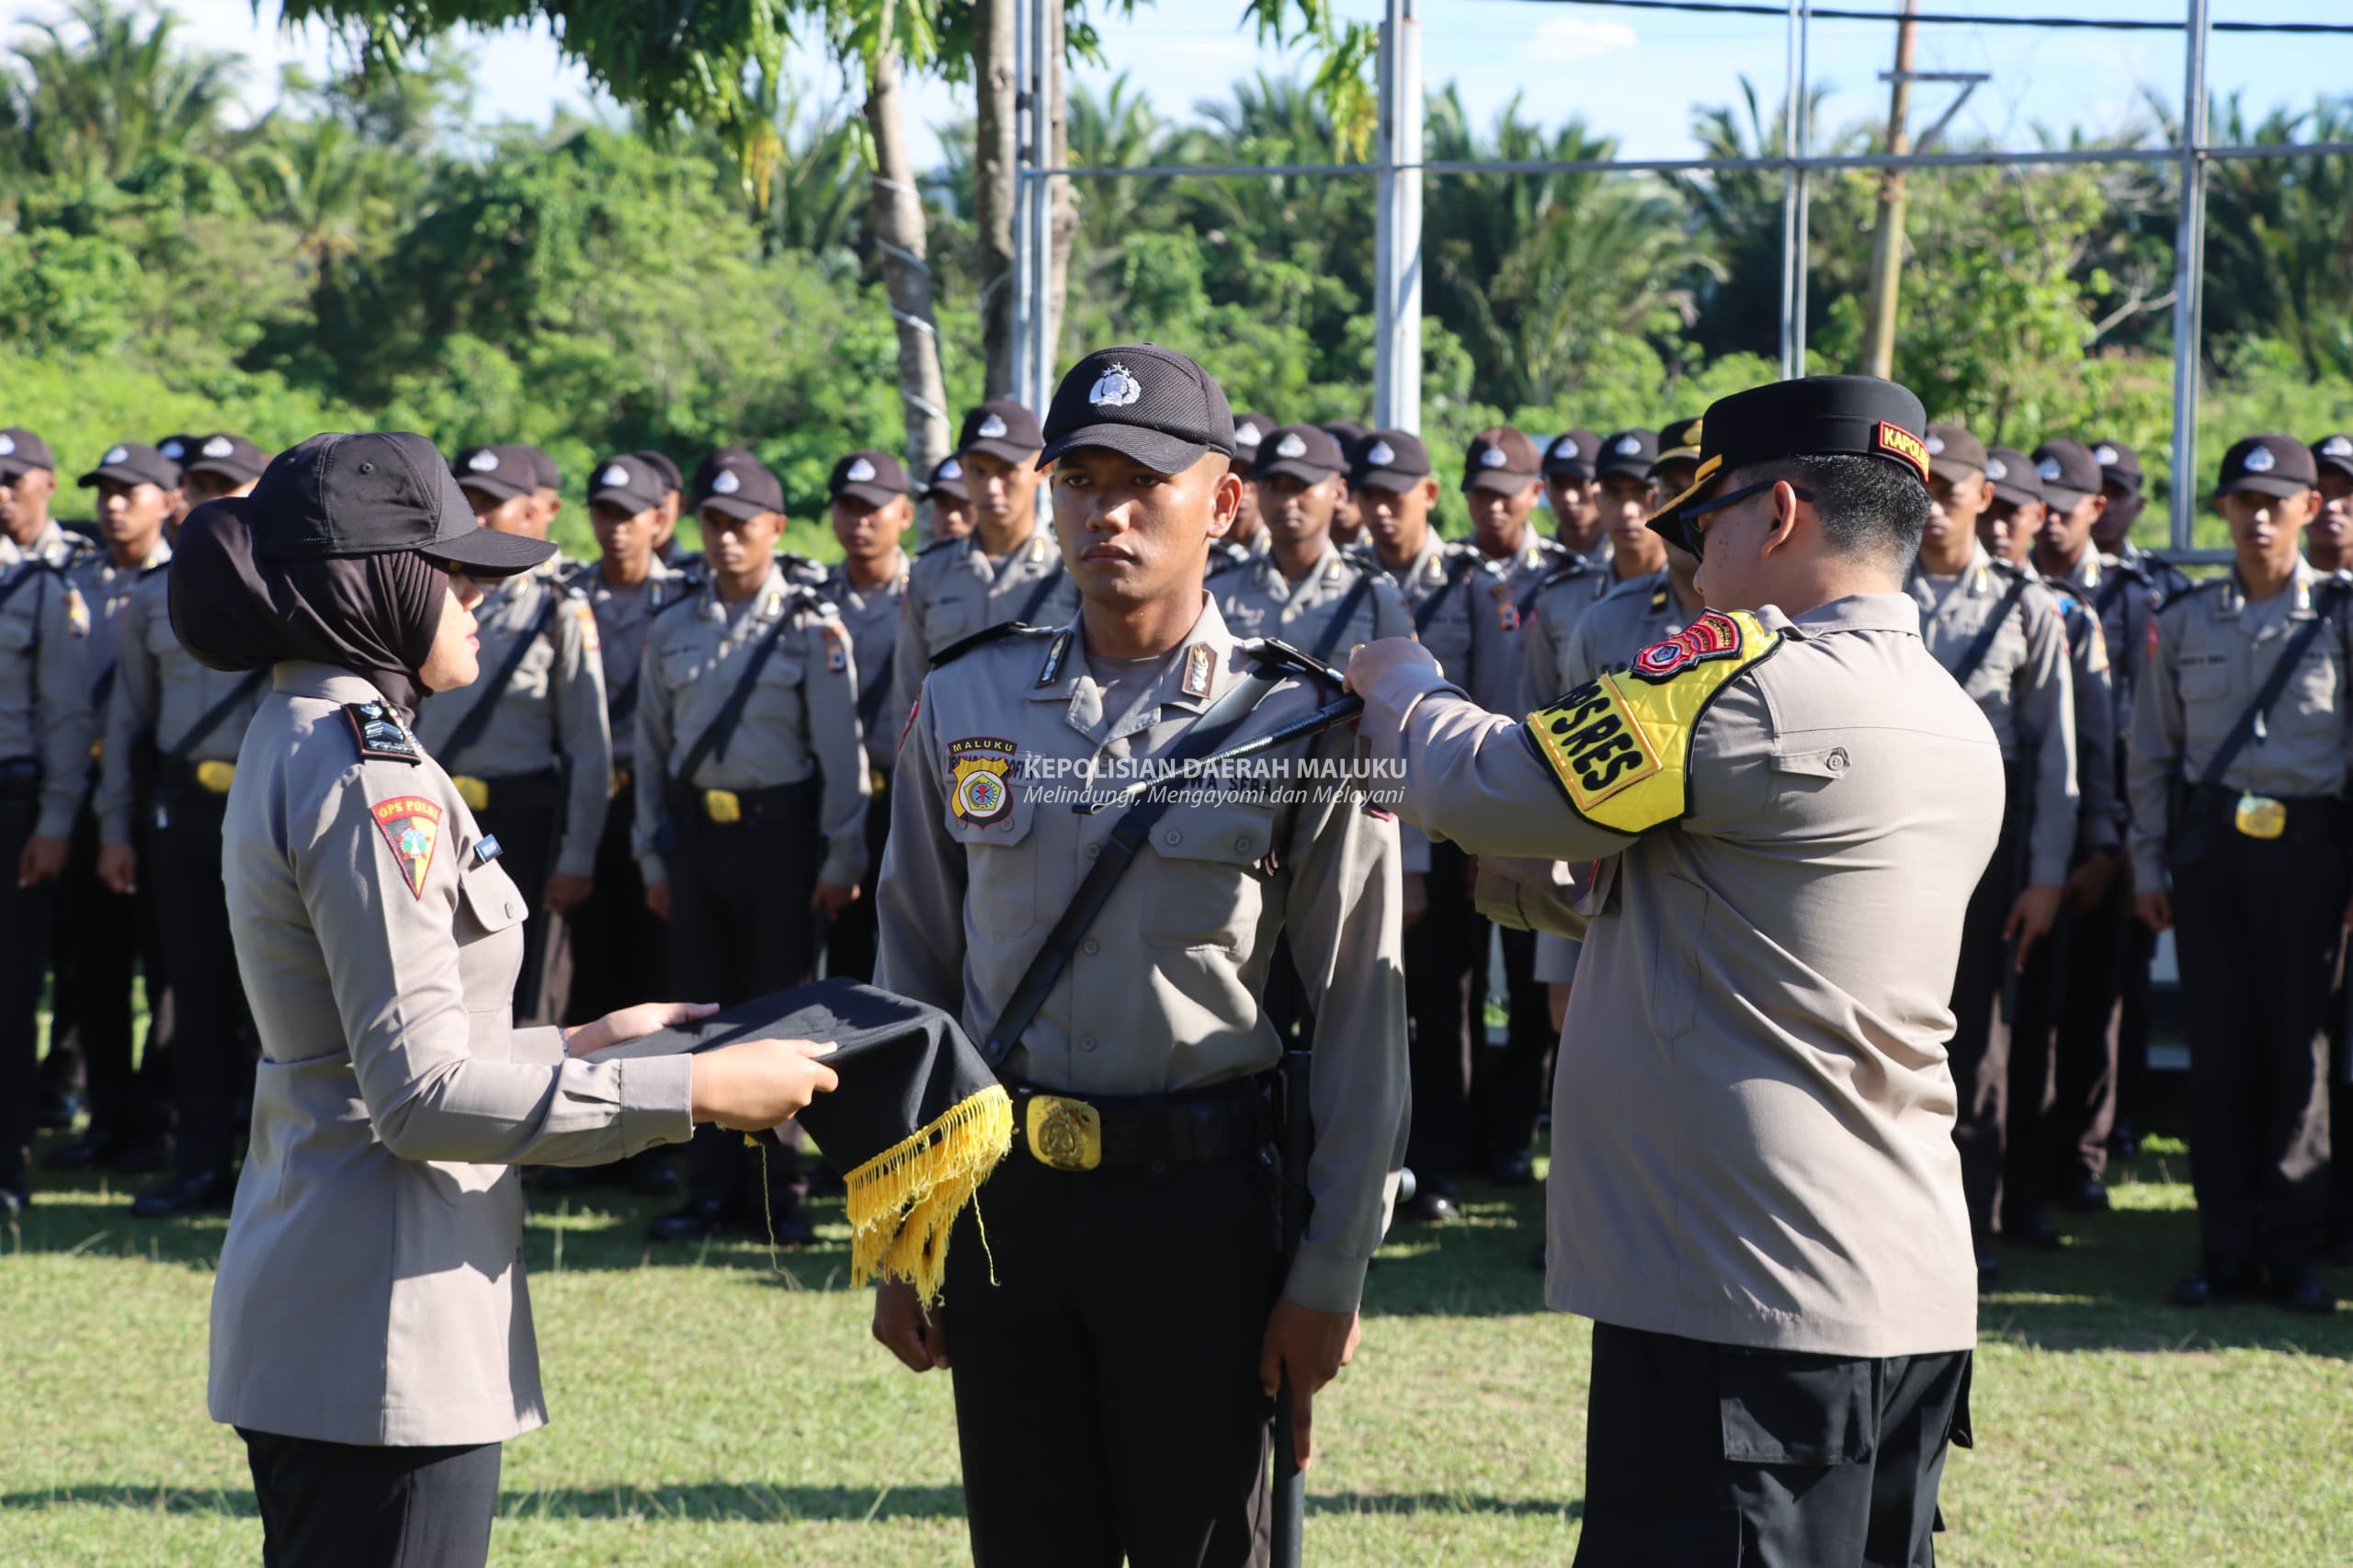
x=1115, y=1344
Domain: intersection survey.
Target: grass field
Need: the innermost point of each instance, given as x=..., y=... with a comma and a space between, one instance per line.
x=709, y=1409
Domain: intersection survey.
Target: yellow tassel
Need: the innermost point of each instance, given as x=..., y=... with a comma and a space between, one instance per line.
x=903, y=1202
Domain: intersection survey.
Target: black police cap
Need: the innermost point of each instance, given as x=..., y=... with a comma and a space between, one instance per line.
x=733, y=483
x=502, y=471
x=2069, y=473
x=2270, y=465
x=178, y=446
x=1633, y=452
x=1304, y=452
x=2119, y=465
x=1501, y=458
x=948, y=478
x=1955, y=454
x=1150, y=405
x=870, y=477
x=628, y=482
x=21, y=452
x=1574, y=455
x=2015, y=478
x=1002, y=428
x=128, y=462
x=1250, y=432
x=229, y=456
x=373, y=493
x=1678, y=440
x=1347, y=432
x=673, y=482
x=1391, y=460
x=2336, y=452
x=1812, y=416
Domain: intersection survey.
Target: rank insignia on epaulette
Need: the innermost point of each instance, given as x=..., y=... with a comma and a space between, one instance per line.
x=380, y=733
x=1200, y=665
x=1053, y=665
x=837, y=650
x=589, y=640
x=77, y=611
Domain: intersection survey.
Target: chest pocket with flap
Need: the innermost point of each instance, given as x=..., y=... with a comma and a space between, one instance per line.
x=489, y=930
x=1204, y=888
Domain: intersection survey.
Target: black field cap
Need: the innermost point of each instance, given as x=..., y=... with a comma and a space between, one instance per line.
x=1678, y=440
x=869, y=477
x=1630, y=452
x=549, y=476
x=2069, y=471
x=374, y=492
x=664, y=469
x=179, y=448
x=1393, y=461
x=1955, y=454
x=128, y=462
x=1003, y=428
x=2273, y=465
x=2333, y=452
x=734, y=484
x=1145, y=403
x=1812, y=416
x=917, y=1123
x=628, y=482
x=502, y=472
x=2014, y=475
x=21, y=452
x=1501, y=458
x=948, y=478
x=230, y=457
x=1347, y=432
x=2118, y=464
x=1573, y=455
x=1249, y=431
x=1305, y=452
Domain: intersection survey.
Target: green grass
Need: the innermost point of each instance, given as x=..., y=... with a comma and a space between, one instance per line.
x=706, y=1409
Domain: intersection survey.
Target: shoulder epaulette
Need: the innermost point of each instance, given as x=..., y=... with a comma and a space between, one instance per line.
x=1219, y=568
x=938, y=544
x=1576, y=566
x=380, y=733
x=983, y=638
x=1282, y=655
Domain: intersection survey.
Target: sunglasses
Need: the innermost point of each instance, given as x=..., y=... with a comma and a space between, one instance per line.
x=1693, y=539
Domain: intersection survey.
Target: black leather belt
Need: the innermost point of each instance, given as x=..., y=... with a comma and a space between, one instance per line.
x=514, y=792
x=1229, y=1121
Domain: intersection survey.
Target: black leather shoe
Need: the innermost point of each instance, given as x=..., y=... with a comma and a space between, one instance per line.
x=701, y=1218
x=60, y=1108
x=2084, y=1193
x=96, y=1149
x=2300, y=1291
x=2202, y=1285
x=1515, y=1170
x=1433, y=1208
x=2031, y=1228
x=1989, y=1272
x=206, y=1191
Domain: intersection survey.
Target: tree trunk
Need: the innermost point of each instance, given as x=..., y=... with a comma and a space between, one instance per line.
x=898, y=219
x=992, y=180
x=1063, y=216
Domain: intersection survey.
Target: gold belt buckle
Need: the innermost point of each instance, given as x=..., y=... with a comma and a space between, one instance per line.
x=474, y=792
x=2259, y=816
x=722, y=806
x=214, y=777
x=878, y=782
x=1065, y=1134
x=620, y=782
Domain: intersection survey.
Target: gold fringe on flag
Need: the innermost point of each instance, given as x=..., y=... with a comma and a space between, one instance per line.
x=903, y=1201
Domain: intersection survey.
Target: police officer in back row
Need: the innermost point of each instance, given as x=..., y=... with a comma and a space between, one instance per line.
x=751, y=801
x=2238, y=764
x=46, y=733
x=1998, y=634
x=1755, y=1192
x=868, y=504
x=1304, y=590
x=1115, y=1343
x=182, y=723
x=529, y=744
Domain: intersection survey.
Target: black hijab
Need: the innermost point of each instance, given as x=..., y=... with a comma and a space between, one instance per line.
x=375, y=615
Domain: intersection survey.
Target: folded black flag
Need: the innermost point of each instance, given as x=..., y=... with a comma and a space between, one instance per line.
x=918, y=1124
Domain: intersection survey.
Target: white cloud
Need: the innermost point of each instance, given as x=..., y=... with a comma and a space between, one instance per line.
x=1566, y=39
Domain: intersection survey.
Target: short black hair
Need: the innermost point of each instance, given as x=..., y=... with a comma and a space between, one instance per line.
x=1869, y=507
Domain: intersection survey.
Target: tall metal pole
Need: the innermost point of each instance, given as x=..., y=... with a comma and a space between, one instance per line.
x=1039, y=256
x=2190, y=280
x=1887, y=237
x=1794, y=196
x=1397, y=226
x=1026, y=184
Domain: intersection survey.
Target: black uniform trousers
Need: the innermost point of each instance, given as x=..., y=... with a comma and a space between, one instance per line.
x=526, y=815
x=1445, y=954
x=99, y=936
x=2062, y=1063
x=211, y=1069
x=25, y=919
x=2258, y=923
x=1716, y=1456
x=1981, y=1036
x=740, y=928
x=1510, y=1084
x=851, y=941
x=1105, y=1344
x=348, y=1505
x=619, y=950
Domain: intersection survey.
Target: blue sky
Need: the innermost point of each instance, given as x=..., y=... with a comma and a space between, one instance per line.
x=1632, y=74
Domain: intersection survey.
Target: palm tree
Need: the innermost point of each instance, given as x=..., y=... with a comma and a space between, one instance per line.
x=2280, y=237
x=107, y=96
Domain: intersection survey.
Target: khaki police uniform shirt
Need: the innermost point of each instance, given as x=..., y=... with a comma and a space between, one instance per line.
x=1562, y=597
x=2214, y=652
x=2022, y=685
x=1164, y=993
x=1753, y=1115
x=871, y=616
x=801, y=718
x=45, y=713
x=371, y=1287
x=106, y=589
x=955, y=590
x=160, y=695
x=1256, y=600
x=623, y=617
x=2126, y=598
x=554, y=706
x=2099, y=816
x=1524, y=572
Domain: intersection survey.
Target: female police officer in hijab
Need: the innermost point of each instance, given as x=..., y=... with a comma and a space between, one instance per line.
x=372, y=1333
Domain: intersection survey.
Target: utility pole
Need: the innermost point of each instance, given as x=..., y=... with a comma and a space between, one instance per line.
x=1887, y=238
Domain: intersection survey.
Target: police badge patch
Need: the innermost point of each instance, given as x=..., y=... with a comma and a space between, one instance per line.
x=412, y=825
x=980, y=789
x=836, y=647
x=1713, y=636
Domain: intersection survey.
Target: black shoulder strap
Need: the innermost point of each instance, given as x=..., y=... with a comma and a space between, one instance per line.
x=1427, y=611
x=623, y=706
x=477, y=720
x=981, y=639
x=211, y=719
x=1975, y=654
x=27, y=572
x=721, y=728
x=2108, y=592
x=2331, y=596
x=1338, y=625
x=1209, y=732
x=1040, y=594
x=869, y=701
